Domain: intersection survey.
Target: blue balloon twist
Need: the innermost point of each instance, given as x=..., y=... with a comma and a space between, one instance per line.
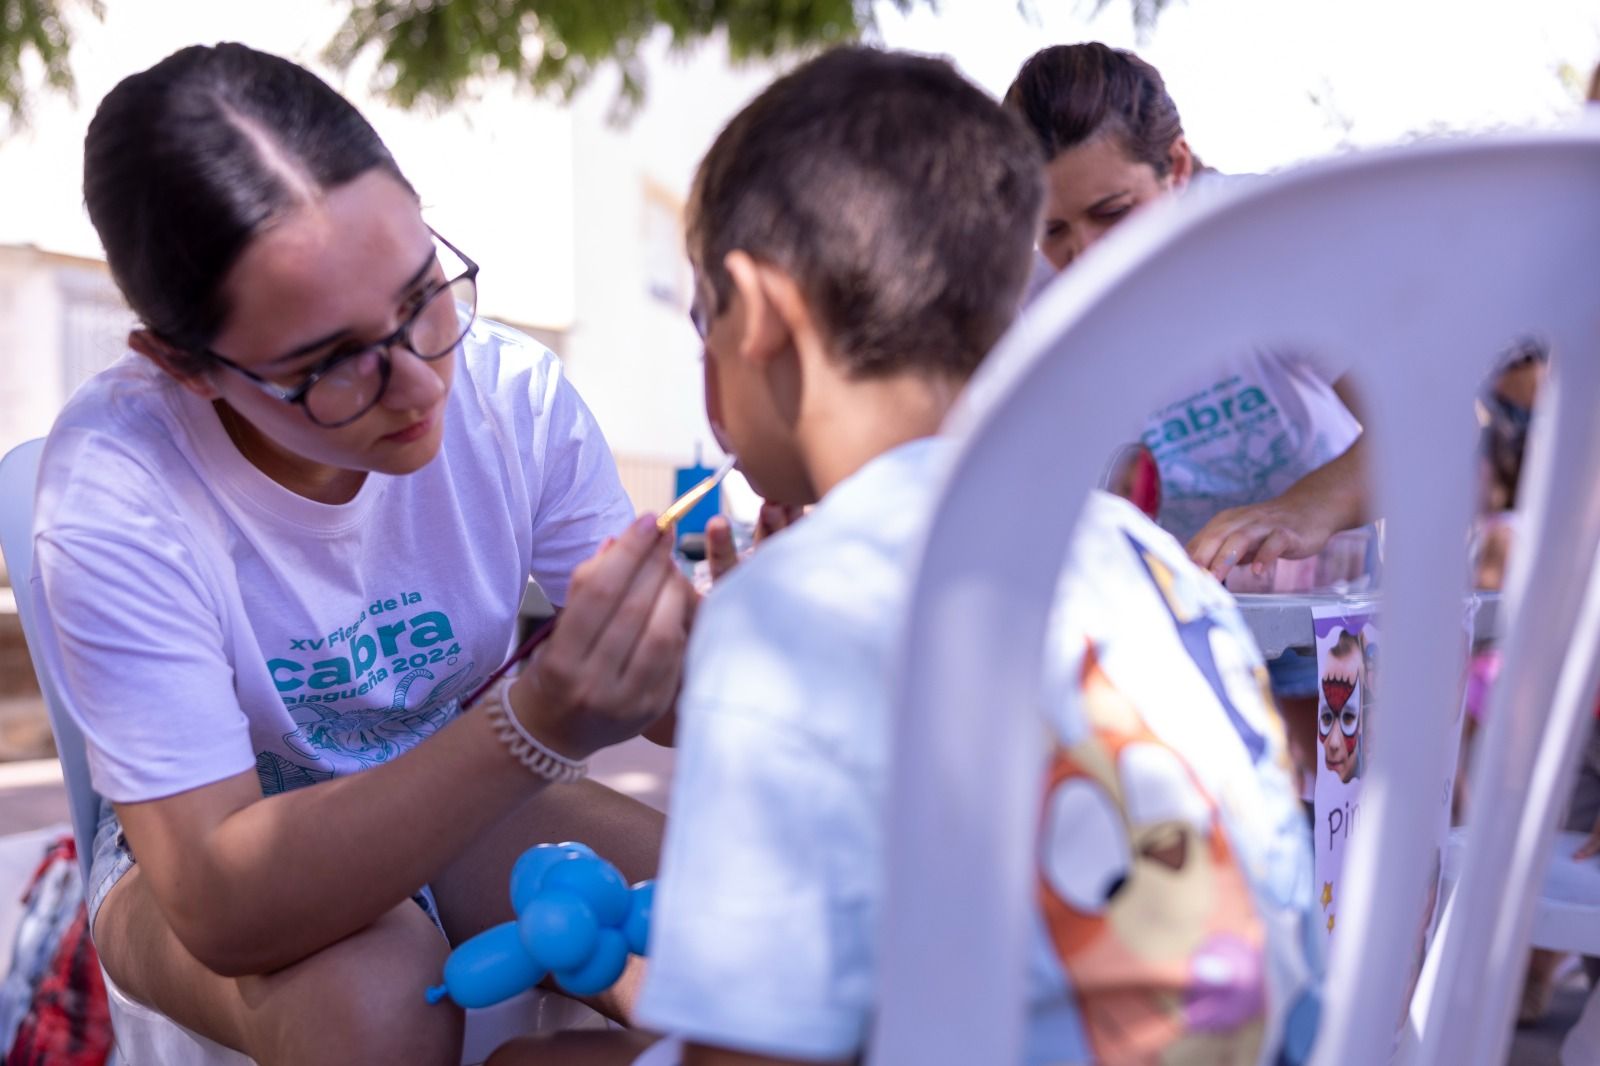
x=576, y=919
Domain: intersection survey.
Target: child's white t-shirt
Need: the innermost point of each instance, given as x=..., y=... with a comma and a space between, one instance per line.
x=771, y=879
x=204, y=620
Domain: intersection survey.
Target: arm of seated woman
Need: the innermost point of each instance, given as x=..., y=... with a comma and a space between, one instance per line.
x=1297, y=524
x=252, y=884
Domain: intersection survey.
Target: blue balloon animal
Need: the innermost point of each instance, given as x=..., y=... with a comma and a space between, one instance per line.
x=576, y=919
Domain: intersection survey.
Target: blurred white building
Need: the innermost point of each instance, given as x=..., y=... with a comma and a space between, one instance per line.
x=576, y=221
x=61, y=320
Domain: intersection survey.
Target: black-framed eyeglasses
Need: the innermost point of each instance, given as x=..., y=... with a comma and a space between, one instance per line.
x=347, y=384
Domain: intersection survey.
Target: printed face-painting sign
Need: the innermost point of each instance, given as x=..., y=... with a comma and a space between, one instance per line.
x=1349, y=683
x=1347, y=643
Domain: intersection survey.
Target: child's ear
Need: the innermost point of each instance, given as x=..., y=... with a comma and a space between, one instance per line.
x=773, y=316
x=175, y=362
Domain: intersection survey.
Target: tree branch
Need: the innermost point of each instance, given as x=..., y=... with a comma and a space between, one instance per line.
x=35, y=28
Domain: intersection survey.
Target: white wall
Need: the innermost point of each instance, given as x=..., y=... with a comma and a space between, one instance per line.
x=634, y=356
x=30, y=368
x=61, y=320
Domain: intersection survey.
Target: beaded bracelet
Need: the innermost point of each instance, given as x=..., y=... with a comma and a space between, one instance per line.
x=527, y=748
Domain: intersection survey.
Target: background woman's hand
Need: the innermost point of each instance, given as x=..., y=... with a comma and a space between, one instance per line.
x=1259, y=535
x=1296, y=525
x=614, y=662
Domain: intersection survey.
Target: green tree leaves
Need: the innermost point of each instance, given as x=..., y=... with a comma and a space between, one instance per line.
x=429, y=51
x=34, y=33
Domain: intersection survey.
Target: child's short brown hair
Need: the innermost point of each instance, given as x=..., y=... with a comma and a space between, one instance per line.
x=901, y=198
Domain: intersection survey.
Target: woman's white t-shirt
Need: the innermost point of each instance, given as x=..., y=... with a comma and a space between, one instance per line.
x=1241, y=431
x=204, y=620
x=1243, y=434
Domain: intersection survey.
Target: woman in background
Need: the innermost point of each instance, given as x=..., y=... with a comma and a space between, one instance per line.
x=1260, y=457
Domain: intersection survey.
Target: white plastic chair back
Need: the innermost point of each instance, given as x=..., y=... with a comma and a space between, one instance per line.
x=146, y=1037
x=143, y=1035
x=19, y=472
x=1413, y=266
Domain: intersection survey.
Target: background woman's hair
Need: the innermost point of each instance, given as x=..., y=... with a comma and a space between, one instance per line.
x=186, y=162
x=1071, y=93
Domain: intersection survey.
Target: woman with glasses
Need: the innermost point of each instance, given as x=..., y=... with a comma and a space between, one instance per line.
x=281, y=541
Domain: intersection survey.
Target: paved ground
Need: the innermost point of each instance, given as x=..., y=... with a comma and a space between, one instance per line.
x=1540, y=1045
x=24, y=729
x=31, y=797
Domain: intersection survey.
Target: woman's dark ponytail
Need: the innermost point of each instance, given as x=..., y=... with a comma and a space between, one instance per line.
x=186, y=162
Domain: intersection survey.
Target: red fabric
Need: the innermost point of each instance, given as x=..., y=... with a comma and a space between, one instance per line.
x=63, y=850
x=1145, y=493
x=69, y=1023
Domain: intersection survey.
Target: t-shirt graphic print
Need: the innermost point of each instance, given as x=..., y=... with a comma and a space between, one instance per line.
x=338, y=700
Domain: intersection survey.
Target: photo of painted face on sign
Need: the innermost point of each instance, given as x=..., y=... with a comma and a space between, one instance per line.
x=1342, y=701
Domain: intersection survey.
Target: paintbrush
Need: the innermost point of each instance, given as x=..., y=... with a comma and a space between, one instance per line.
x=685, y=503
x=664, y=522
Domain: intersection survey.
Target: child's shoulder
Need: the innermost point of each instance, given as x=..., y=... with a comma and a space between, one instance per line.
x=795, y=643
x=860, y=543
x=811, y=584
x=821, y=604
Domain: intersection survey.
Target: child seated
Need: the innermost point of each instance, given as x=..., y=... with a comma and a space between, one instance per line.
x=861, y=234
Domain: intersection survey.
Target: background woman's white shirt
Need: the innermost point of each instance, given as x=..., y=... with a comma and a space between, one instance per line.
x=1242, y=430
x=1243, y=433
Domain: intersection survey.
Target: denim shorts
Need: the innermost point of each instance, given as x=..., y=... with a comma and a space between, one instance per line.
x=112, y=858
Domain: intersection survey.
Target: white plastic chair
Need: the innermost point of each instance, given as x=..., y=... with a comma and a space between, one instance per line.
x=146, y=1037
x=1566, y=918
x=1415, y=265
x=18, y=473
